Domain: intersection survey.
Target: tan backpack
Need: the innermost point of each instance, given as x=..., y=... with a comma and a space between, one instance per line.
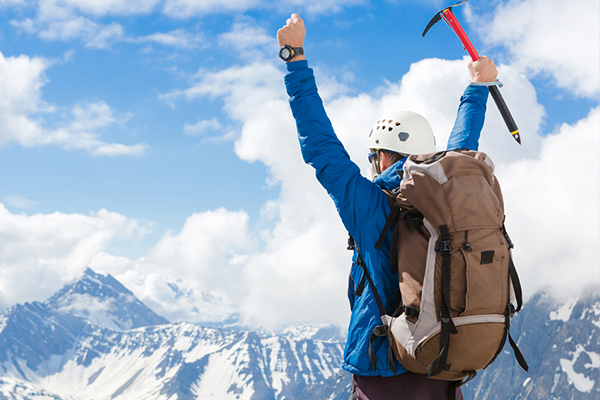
x=457, y=279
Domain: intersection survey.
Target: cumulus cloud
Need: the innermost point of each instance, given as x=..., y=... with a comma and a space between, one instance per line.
x=177, y=38
x=65, y=20
x=202, y=126
x=245, y=36
x=22, y=109
x=215, y=263
x=304, y=263
x=196, y=274
x=550, y=37
x=320, y=6
x=552, y=209
x=190, y=8
x=41, y=252
x=101, y=7
x=66, y=26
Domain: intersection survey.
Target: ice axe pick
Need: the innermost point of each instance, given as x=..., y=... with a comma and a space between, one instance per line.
x=448, y=16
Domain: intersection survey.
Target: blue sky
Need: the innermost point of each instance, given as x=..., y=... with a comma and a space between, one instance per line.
x=152, y=139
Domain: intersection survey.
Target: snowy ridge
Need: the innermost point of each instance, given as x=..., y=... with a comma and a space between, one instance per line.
x=181, y=359
x=561, y=342
x=20, y=390
x=77, y=346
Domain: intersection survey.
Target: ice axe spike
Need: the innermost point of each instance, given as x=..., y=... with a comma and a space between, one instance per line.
x=448, y=16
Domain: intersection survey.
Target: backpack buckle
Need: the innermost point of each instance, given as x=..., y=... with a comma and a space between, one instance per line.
x=510, y=243
x=443, y=246
x=444, y=315
x=511, y=310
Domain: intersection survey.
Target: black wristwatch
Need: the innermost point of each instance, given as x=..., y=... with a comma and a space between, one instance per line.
x=288, y=52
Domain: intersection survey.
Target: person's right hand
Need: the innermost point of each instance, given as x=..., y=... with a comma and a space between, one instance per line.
x=483, y=70
x=292, y=34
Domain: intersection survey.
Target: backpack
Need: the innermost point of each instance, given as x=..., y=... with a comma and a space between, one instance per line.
x=458, y=283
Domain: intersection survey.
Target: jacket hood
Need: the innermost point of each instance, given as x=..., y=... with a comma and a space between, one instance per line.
x=389, y=179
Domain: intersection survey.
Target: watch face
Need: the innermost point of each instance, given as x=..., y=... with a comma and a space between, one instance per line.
x=285, y=53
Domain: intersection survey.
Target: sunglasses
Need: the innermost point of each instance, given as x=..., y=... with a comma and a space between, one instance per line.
x=372, y=156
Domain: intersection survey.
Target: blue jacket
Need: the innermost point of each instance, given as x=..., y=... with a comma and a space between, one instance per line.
x=363, y=206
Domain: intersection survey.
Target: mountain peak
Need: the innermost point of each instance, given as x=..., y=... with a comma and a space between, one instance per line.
x=103, y=301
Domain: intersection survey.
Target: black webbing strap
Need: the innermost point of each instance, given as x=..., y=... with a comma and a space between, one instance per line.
x=392, y=219
x=443, y=246
x=412, y=216
x=518, y=354
x=514, y=277
x=381, y=330
x=361, y=287
x=394, y=250
x=361, y=263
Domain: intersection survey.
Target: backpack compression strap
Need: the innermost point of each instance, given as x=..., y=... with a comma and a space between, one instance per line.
x=443, y=246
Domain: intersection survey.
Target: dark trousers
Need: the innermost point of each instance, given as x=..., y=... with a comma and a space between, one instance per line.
x=406, y=386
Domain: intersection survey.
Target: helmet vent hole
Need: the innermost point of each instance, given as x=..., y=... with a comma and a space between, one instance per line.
x=397, y=123
x=389, y=121
x=390, y=129
x=383, y=127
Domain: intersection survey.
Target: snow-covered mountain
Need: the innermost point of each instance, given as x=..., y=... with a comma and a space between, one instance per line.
x=103, y=301
x=94, y=340
x=561, y=343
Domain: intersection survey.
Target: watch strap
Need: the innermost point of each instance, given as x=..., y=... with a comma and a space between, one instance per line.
x=294, y=51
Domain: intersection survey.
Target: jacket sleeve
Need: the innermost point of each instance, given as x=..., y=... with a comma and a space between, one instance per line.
x=469, y=119
x=325, y=153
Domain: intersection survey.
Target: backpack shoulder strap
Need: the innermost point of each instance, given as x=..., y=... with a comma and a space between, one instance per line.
x=392, y=218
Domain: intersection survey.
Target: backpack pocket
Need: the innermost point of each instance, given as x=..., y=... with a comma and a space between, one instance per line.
x=486, y=273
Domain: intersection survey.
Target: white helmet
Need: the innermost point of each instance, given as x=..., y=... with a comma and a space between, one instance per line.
x=402, y=132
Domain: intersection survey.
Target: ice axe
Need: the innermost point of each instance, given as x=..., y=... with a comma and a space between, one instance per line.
x=448, y=17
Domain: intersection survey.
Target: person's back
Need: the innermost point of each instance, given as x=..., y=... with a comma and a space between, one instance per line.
x=363, y=207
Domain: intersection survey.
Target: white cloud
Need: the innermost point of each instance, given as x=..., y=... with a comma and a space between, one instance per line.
x=551, y=37
x=194, y=275
x=202, y=126
x=41, y=252
x=177, y=38
x=553, y=212
x=304, y=263
x=320, y=6
x=245, y=37
x=22, y=109
x=102, y=7
x=20, y=202
x=94, y=35
x=190, y=8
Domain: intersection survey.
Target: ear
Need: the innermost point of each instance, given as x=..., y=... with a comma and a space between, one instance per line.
x=384, y=160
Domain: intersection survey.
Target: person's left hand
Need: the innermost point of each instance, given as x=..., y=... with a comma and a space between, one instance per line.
x=483, y=70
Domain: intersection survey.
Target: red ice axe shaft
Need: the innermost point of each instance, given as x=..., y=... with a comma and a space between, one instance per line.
x=448, y=16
